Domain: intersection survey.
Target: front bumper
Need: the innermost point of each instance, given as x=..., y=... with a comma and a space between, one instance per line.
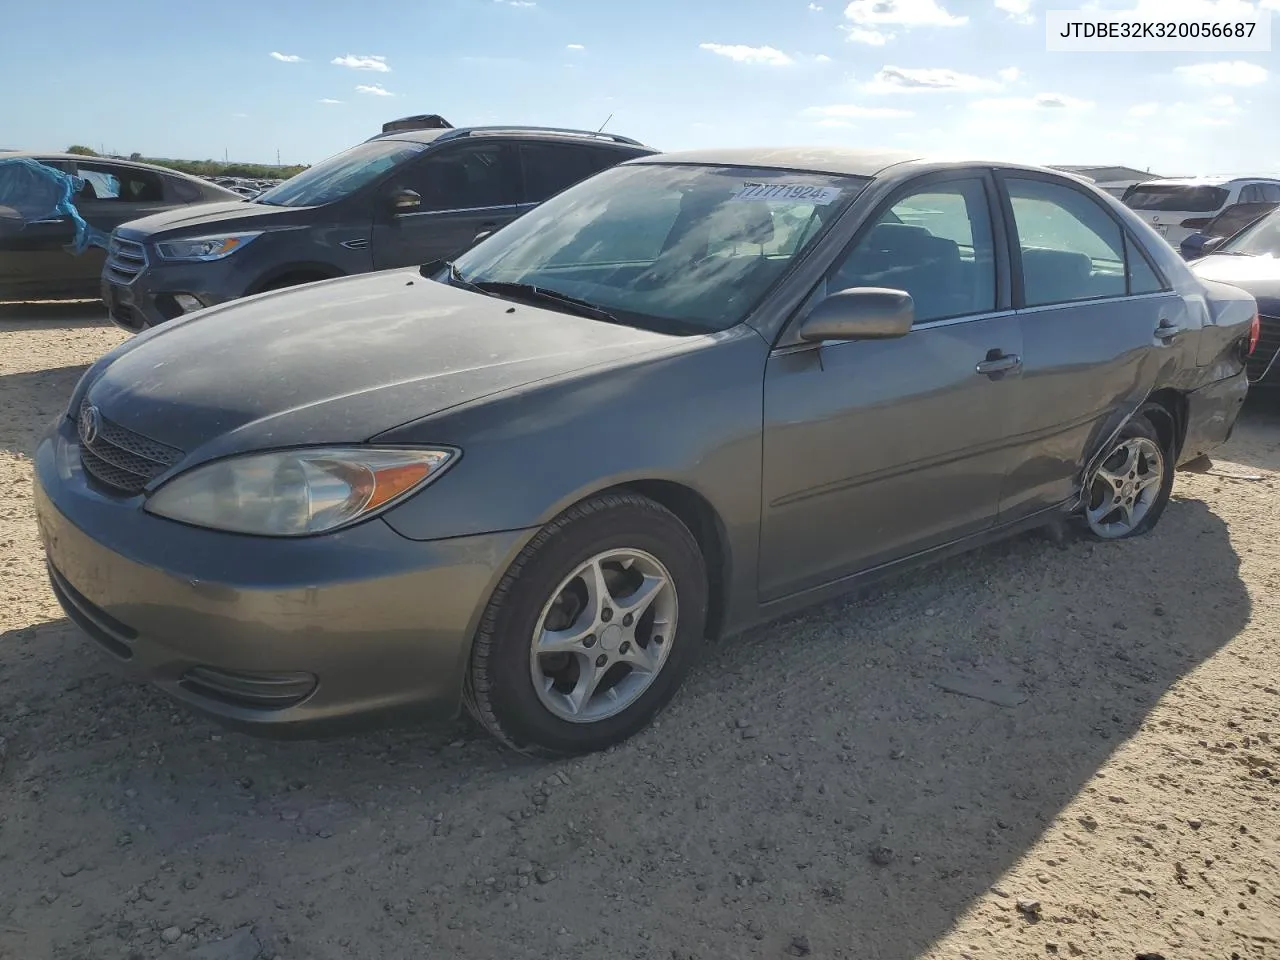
x=1264, y=363
x=291, y=638
x=151, y=298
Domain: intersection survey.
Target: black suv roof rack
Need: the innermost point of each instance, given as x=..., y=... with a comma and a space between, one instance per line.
x=420, y=121
x=554, y=131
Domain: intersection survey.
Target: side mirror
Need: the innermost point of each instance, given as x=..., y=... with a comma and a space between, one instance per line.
x=405, y=201
x=860, y=313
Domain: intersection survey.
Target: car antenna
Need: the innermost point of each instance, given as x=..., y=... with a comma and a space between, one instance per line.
x=605, y=124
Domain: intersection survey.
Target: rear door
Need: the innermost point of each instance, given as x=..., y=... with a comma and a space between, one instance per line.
x=33, y=255
x=113, y=194
x=1099, y=327
x=467, y=187
x=875, y=450
x=547, y=168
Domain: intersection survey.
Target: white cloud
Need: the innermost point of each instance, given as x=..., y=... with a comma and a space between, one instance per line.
x=374, y=89
x=927, y=80
x=328, y=100
x=815, y=8
x=575, y=46
x=376, y=64
x=872, y=38
x=743, y=54
x=1227, y=73
x=1019, y=11
x=1041, y=101
x=854, y=111
x=1196, y=9
x=286, y=57
x=1009, y=74
x=822, y=58
x=239, y=116
x=517, y=3
x=1220, y=111
x=902, y=13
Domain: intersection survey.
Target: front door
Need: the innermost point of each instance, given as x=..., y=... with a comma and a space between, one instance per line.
x=876, y=450
x=466, y=189
x=1097, y=320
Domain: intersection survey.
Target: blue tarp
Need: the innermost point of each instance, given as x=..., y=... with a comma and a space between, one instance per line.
x=37, y=192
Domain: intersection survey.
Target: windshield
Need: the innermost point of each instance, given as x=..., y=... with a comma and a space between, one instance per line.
x=1185, y=199
x=1262, y=239
x=341, y=175
x=1235, y=218
x=685, y=249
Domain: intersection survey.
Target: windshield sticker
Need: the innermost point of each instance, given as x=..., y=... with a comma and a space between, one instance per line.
x=796, y=192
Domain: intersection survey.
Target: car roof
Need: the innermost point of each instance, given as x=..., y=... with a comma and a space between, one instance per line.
x=842, y=161
x=77, y=157
x=557, y=134
x=1204, y=181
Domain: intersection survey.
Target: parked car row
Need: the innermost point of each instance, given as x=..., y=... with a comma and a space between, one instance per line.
x=401, y=198
x=687, y=394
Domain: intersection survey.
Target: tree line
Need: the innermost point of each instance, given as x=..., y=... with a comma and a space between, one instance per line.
x=206, y=168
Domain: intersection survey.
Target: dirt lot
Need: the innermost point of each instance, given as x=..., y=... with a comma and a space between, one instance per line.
x=813, y=791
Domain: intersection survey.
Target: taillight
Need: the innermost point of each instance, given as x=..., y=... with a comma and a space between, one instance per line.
x=1196, y=223
x=1255, y=333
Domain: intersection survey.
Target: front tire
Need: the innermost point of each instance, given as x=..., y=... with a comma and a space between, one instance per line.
x=1131, y=486
x=592, y=629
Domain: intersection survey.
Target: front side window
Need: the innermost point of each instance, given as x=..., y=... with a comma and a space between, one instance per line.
x=674, y=247
x=341, y=175
x=936, y=245
x=462, y=177
x=1071, y=248
x=1260, y=239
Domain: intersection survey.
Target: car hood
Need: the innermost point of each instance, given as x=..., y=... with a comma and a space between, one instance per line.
x=341, y=361
x=1259, y=276
x=201, y=218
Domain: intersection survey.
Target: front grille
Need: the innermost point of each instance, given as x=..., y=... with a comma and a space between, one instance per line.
x=125, y=260
x=1265, y=352
x=119, y=458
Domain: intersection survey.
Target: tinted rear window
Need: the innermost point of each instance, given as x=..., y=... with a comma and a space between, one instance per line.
x=1180, y=199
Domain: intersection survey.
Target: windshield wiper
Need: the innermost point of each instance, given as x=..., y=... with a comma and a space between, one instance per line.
x=529, y=291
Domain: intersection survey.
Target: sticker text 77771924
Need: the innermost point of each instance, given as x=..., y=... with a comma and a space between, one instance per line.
x=795, y=192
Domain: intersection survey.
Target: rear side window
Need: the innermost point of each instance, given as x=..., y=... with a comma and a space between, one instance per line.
x=1185, y=199
x=552, y=167
x=185, y=190
x=1270, y=192
x=1142, y=278
x=1071, y=248
x=120, y=184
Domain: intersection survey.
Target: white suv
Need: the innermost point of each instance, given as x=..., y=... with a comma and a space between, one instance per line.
x=1178, y=208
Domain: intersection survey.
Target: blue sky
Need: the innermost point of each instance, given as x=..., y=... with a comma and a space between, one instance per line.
x=961, y=77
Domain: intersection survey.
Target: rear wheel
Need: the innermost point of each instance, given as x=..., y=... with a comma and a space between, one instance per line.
x=592, y=629
x=1130, y=487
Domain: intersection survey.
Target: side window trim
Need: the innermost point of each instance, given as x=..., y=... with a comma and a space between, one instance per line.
x=999, y=239
x=1132, y=243
x=1015, y=244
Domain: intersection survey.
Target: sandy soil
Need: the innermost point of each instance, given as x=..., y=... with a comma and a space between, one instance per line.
x=813, y=791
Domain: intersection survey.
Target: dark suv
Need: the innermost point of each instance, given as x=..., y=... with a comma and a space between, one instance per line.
x=401, y=198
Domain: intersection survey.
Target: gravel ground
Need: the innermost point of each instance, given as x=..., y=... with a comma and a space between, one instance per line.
x=817, y=789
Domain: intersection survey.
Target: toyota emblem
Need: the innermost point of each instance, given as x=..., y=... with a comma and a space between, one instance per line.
x=90, y=424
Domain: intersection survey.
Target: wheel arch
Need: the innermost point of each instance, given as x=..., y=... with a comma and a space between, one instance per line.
x=704, y=522
x=306, y=272
x=1167, y=410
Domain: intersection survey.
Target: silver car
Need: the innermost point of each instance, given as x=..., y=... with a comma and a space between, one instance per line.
x=692, y=393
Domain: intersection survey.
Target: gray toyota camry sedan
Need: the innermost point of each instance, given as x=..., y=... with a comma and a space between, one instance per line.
x=692, y=393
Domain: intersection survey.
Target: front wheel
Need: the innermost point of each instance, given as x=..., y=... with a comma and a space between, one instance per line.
x=591, y=631
x=1130, y=487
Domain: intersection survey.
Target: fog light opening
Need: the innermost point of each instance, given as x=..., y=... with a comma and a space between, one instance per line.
x=188, y=302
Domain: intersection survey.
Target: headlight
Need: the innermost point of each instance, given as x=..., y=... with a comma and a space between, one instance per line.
x=294, y=493
x=205, y=248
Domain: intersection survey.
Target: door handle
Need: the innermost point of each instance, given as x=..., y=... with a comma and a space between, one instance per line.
x=998, y=363
x=1168, y=330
